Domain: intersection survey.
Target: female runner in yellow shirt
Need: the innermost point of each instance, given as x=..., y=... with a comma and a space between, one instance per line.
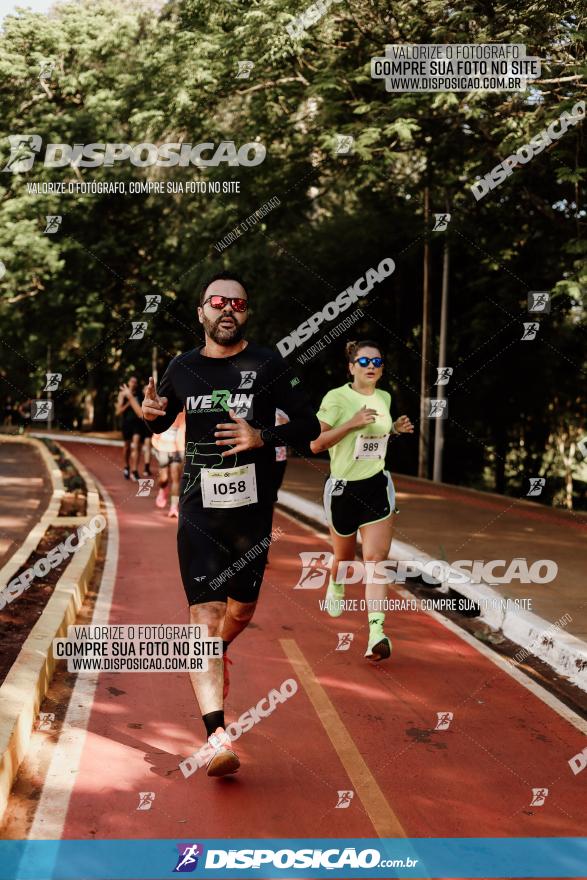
x=359, y=493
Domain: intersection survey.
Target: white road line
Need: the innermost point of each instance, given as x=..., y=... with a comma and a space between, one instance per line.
x=77, y=438
x=63, y=767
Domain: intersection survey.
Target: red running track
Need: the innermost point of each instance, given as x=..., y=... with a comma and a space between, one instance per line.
x=351, y=725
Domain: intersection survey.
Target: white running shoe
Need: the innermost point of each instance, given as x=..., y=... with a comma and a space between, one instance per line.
x=224, y=760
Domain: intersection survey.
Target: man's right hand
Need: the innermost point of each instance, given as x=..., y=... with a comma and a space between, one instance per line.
x=153, y=405
x=363, y=416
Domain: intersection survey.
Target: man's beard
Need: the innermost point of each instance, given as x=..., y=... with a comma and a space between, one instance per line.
x=224, y=335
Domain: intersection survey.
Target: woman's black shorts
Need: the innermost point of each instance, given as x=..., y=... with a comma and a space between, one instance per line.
x=350, y=504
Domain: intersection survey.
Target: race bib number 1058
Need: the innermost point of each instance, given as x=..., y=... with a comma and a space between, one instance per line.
x=232, y=487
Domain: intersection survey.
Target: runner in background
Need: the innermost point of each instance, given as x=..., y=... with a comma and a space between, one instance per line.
x=280, y=460
x=169, y=451
x=280, y=453
x=146, y=443
x=359, y=494
x=128, y=405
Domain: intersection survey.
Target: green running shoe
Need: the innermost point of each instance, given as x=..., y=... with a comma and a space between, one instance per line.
x=379, y=647
x=334, y=598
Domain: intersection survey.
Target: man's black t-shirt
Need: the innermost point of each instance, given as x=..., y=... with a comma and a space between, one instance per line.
x=254, y=383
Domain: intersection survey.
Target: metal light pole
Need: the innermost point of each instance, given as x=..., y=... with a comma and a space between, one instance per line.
x=424, y=421
x=439, y=426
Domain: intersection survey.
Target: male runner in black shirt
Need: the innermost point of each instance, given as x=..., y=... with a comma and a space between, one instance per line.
x=230, y=389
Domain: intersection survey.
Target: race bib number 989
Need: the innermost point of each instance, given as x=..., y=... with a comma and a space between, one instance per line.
x=232, y=487
x=370, y=447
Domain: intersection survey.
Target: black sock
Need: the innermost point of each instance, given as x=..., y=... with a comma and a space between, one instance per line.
x=212, y=720
x=225, y=646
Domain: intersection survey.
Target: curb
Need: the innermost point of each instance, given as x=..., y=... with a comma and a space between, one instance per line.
x=563, y=652
x=27, y=682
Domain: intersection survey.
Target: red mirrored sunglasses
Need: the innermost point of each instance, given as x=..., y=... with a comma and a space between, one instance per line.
x=219, y=302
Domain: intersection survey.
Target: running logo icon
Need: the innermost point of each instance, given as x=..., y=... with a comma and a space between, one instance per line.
x=530, y=331
x=444, y=374
x=145, y=487
x=138, y=329
x=315, y=570
x=444, y=719
x=344, y=641
x=146, y=799
x=187, y=861
x=53, y=380
x=41, y=410
x=247, y=379
x=539, y=795
x=344, y=800
x=438, y=408
x=537, y=484
x=441, y=222
x=46, y=720
x=152, y=301
x=52, y=223
x=539, y=301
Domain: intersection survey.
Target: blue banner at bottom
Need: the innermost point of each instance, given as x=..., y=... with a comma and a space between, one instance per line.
x=294, y=858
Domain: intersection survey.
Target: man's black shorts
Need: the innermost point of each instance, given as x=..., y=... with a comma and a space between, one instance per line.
x=350, y=504
x=223, y=553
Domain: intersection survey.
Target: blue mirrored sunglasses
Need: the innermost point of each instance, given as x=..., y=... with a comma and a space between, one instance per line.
x=365, y=361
